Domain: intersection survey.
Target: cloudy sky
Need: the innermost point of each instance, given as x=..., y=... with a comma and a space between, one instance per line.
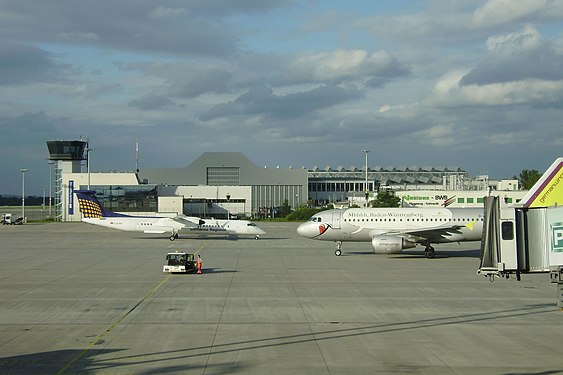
x=476, y=84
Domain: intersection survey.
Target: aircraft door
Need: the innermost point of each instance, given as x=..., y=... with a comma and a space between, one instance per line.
x=336, y=217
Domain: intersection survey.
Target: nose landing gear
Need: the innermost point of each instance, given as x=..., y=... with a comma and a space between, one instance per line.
x=338, y=251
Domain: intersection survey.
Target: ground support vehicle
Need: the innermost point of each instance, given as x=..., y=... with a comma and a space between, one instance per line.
x=7, y=219
x=179, y=262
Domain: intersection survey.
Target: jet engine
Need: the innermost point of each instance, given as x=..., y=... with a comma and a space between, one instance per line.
x=390, y=244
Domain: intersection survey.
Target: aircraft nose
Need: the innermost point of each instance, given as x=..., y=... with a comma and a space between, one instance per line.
x=305, y=230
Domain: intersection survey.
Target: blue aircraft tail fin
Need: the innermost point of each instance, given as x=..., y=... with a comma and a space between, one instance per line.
x=90, y=206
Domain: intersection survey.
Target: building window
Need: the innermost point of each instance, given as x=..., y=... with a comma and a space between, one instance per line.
x=217, y=176
x=126, y=198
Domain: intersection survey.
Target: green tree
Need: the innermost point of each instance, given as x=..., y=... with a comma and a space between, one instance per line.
x=527, y=178
x=302, y=213
x=386, y=199
x=285, y=209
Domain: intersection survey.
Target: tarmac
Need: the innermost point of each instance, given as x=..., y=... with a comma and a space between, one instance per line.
x=76, y=298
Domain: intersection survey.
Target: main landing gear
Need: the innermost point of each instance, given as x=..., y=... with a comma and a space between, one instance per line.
x=338, y=251
x=429, y=252
x=173, y=236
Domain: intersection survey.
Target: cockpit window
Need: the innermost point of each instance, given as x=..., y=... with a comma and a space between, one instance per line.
x=250, y=225
x=315, y=219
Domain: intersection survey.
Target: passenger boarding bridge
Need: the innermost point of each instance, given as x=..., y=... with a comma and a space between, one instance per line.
x=527, y=238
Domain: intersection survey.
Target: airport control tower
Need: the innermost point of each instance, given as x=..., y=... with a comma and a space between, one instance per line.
x=67, y=157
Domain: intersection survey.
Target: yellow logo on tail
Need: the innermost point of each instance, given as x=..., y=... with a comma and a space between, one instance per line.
x=89, y=208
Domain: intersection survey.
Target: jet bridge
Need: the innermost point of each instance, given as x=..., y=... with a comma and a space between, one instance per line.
x=527, y=238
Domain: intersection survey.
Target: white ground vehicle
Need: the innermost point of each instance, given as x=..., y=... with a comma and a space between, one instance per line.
x=179, y=262
x=6, y=219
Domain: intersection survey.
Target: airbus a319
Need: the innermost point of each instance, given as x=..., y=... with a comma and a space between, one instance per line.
x=391, y=230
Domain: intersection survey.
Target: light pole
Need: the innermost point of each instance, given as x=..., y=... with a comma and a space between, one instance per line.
x=23, y=170
x=366, y=186
x=50, y=184
x=88, y=149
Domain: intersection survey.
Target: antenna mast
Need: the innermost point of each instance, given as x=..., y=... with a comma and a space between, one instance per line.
x=137, y=155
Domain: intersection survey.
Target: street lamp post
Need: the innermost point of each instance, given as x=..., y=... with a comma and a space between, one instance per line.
x=50, y=184
x=23, y=171
x=366, y=185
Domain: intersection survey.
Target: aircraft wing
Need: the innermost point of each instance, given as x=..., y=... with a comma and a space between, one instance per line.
x=188, y=221
x=432, y=235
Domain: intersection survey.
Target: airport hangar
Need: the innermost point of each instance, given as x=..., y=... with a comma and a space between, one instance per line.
x=228, y=184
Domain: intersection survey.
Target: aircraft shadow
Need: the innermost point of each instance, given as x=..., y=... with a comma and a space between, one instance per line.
x=80, y=361
x=208, y=238
x=419, y=254
x=443, y=254
x=350, y=253
x=218, y=270
x=196, y=237
x=206, y=270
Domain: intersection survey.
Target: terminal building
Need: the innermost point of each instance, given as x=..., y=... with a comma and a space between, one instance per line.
x=229, y=185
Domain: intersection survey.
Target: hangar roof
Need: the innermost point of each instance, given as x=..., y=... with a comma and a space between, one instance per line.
x=228, y=168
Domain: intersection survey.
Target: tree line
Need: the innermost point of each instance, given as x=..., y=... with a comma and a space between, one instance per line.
x=11, y=200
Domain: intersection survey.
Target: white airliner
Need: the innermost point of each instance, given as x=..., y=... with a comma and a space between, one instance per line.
x=391, y=230
x=94, y=213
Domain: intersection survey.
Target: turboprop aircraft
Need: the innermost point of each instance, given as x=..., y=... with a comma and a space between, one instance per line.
x=94, y=213
x=391, y=230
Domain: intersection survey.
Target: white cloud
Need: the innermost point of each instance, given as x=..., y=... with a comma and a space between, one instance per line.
x=497, y=12
x=517, y=56
x=528, y=38
x=345, y=64
x=506, y=12
x=163, y=13
x=441, y=135
x=449, y=93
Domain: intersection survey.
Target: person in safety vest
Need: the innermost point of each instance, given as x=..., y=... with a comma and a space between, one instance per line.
x=199, y=263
